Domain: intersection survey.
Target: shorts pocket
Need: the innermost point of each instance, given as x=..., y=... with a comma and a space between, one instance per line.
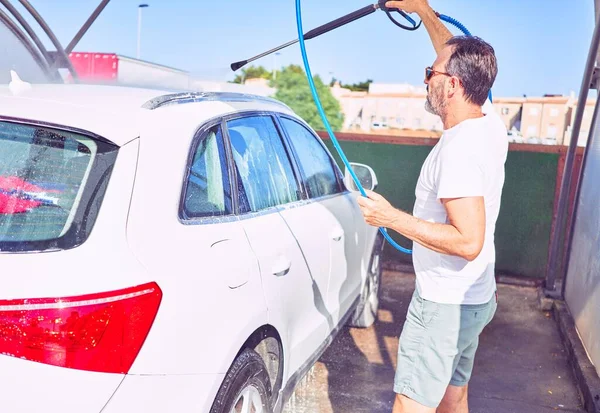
x=429, y=312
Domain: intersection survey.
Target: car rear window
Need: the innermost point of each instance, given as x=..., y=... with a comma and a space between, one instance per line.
x=51, y=185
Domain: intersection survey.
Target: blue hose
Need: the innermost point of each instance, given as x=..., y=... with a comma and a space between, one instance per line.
x=313, y=90
x=455, y=23
x=328, y=126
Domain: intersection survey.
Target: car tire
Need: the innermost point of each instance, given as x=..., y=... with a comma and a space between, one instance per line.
x=247, y=381
x=366, y=312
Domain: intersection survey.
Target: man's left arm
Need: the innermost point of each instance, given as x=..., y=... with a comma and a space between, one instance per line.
x=462, y=236
x=460, y=188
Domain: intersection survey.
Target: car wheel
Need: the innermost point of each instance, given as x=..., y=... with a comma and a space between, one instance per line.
x=366, y=311
x=246, y=387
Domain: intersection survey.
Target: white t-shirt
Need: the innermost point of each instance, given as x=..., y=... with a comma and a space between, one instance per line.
x=467, y=161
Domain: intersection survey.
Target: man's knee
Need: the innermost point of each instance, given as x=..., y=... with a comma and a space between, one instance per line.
x=404, y=404
x=455, y=399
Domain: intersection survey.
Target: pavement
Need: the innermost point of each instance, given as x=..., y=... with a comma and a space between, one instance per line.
x=521, y=365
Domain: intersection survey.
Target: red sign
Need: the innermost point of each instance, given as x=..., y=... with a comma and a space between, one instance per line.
x=95, y=66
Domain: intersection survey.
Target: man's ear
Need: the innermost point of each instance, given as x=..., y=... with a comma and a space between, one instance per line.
x=453, y=86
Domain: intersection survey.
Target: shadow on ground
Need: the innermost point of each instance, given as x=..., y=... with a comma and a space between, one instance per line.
x=521, y=366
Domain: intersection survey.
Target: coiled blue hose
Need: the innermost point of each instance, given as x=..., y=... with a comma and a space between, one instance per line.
x=455, y=23
x=313, y=90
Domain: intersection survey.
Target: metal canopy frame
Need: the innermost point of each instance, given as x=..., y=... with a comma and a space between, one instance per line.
x=35, y=53
x=49, y=61
x=563, y=234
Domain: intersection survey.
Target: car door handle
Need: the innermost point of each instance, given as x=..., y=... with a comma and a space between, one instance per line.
x=281, y=266
x=337, y=234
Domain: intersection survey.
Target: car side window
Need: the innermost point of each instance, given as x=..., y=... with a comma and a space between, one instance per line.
x=208, y=190
x=263, y=168
x=316, y=165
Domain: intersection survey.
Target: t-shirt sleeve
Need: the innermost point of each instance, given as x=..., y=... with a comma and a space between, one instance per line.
x=461, y=173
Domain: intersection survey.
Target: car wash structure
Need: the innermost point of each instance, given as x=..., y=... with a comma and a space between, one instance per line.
x=571, y=280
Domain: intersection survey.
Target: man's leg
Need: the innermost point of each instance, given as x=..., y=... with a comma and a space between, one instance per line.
x=455, y=400
x=426, y=355
x=403, y=404
x=473, y=320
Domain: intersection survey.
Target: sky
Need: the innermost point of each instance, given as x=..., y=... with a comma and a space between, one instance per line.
x=541, y=45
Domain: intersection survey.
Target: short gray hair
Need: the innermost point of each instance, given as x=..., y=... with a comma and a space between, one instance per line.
x=473, y=61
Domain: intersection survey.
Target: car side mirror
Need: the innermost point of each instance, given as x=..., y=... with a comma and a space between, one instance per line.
x=365, y=174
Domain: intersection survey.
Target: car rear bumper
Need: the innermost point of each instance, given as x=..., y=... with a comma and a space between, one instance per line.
x=35, y=387
x=168, y=393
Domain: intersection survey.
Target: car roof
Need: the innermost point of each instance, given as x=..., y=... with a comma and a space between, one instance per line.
x=114, y=112
x=90, y=96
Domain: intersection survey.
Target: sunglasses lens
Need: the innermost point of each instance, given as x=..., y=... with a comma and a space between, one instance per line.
x=428, y=73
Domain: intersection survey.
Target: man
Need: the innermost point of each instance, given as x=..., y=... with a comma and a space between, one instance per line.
x=457, y=203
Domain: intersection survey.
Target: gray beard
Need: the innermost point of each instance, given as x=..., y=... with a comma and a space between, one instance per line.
x=429, y=107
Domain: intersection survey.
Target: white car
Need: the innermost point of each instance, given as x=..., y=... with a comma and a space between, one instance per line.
x=170, y=252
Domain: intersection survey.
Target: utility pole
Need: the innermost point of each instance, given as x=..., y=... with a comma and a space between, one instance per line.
x=275, y=66
x=139, y=29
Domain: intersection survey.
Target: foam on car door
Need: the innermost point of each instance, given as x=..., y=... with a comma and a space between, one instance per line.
x=326, y=233
x=295, y=303
x=266, y=182
x=325, y=227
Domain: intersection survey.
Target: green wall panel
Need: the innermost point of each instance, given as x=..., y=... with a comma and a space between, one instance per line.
x=524, y=224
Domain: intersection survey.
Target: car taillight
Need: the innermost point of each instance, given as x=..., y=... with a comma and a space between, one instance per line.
x=97, y=332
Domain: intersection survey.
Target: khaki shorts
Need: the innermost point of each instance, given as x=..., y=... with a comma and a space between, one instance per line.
x=437, y=347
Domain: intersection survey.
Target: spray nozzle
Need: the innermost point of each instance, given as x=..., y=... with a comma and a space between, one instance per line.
x=342, y=21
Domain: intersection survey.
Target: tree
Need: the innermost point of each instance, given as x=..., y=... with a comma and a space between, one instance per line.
x=355, y=87
x=361, y=86
x=293, y=89
x=253, y=72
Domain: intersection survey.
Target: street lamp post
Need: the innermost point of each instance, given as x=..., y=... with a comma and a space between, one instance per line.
x=275, y=66
x=139, y=33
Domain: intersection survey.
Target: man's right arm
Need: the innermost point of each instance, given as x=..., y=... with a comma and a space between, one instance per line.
x=438, y=32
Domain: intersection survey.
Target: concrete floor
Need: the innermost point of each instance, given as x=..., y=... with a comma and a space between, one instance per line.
x=521, y=366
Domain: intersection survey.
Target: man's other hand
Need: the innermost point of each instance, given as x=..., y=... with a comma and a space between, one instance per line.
x=376, y=210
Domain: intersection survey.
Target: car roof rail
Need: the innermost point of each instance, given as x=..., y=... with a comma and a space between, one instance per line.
x=193, y=97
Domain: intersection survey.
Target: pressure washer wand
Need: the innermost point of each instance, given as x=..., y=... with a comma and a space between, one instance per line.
x=327, y=27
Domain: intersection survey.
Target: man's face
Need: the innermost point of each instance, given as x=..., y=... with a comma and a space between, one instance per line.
x=436, y=84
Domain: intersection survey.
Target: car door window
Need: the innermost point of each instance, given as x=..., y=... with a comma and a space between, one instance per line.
x=208, y=191
x=316, y=165
x=264, y=171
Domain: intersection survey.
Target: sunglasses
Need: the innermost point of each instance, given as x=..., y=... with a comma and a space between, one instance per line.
x=429, y=73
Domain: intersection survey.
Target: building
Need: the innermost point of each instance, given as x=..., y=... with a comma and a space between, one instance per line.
x=586, y=124
x=400, y=109
x=111, y=68
x=545, y=119
x=258, y=87
x=510, y=110
x=389, y=108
